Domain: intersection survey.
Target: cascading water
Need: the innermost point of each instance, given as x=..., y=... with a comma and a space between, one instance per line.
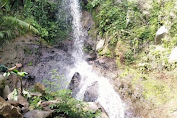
x=107, y=96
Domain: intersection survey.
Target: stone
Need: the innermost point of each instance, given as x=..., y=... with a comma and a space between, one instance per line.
x=87, y=20
x=100, y=44
x=91, y=93
x=2, y=79
x=85, y=2
x=92, y=56
x=23, y=101
x=74, y=84
x=94, y=106
x=173, y=56
x=39, y=87
x=37, y=114
x=19, y=100
x=9, y=111
x=6, y=91
x=143, y=5
x=45, y=105
x=161, y=33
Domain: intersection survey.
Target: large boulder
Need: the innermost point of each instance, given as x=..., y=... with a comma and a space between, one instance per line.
x=91, y=93
x=74, y=84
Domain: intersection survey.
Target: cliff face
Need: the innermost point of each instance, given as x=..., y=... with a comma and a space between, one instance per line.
x=39, y=60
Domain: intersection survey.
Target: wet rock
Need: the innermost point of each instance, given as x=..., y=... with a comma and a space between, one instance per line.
x=38, y=59
x=85, y=2
x=6, y=91
x=91, y=93
x=37, y=114
x=8, y=111
x=92, y=56
x=74, y=84
x=39, y=87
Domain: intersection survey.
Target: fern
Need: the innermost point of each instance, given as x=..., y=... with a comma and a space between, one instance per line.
x=20, y=23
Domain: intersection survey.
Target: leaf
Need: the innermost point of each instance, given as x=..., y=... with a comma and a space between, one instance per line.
x=22, y=73
x=21, y=23
x=1, y=34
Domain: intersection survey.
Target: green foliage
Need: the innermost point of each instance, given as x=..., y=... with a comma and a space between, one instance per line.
x=35, y=102
x=129, y=57
x=71, y=107
x=127, y=22
x=66, y=106
x=111, y=17
x=38, y=16
x=10, y=27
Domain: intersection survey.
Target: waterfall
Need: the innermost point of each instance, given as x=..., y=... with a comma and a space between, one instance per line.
x=107, y=96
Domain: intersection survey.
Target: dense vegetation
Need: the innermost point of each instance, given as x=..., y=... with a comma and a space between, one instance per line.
x=19, y=17
x=129, y=32
x=39, y=17
x=66, y=106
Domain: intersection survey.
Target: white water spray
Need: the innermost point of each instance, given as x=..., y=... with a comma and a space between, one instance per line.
x=107, y=97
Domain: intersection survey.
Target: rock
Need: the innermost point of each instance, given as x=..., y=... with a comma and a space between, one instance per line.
x=39, y=87
x=93, y=106
x=45, y=105
x=35, y=94
x=161, y=33
x=38, y=59
x=173, y=56
x=6, y=91
x=37, y=114
x=2, y=79
x=143, y=5
x=91, y=93
x=8, y=111
x=92, y=56
x=74, y=84
x=19, y=100
x=100, y=44
x=23, y=101
x=85, y=2
x=87, y=20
